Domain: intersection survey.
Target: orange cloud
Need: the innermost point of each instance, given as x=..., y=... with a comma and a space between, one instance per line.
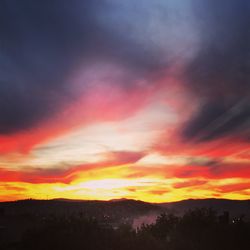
x=61, y=175
x=190, y=183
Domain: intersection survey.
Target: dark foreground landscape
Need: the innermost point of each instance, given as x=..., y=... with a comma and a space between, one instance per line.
x=125, y=224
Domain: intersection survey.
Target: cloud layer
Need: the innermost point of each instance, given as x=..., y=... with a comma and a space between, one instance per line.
x=140, y=99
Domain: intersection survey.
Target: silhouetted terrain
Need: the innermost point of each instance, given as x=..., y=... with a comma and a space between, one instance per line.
x=115, y=209
x=236, y=207
x=100, y=225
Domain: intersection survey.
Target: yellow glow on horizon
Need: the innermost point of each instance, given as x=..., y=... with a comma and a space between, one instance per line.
x=146, y=189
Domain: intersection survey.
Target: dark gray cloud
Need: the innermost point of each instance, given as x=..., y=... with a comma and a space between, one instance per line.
x=219, y=75
x=41, y=42
x=216, y=119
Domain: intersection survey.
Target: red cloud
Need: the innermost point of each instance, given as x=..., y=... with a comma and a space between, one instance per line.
x=220, y=171
x=100, y=104
x=173, y=144
x=190, y=183
x=233, y=187
x=159, y=192
x=62, y=175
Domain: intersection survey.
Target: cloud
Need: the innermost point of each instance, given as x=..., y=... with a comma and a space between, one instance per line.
x=190, y=183
x=219, y=171
x=68, y=64
x=36, y=52
x=67, y=172
x=159, y=191
x=236, y=187
x=8, y=187
x=124, y=157
x=43, y=43
x=219, y=74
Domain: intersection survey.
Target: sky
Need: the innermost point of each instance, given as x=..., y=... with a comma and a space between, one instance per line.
x=107, y=99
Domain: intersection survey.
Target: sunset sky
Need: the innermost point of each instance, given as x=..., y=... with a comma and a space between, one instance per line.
x=107, y=99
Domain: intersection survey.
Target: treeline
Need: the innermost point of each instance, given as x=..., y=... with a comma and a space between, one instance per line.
x=200, y=229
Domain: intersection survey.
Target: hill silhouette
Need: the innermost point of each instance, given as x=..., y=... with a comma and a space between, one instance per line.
x=209, y=224
x=235, y=207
